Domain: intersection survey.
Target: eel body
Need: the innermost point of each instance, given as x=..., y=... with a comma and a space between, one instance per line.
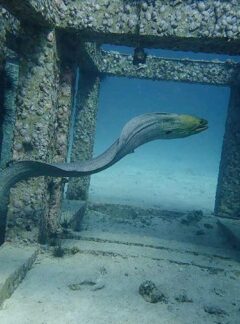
x=138, y=131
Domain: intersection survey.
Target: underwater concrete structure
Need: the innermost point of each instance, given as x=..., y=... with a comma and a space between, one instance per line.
x=83, y=140
x=49, y=39
x=227, y=197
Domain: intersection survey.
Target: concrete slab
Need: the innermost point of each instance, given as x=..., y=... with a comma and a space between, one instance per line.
x=88, y=288
x=97, y=280
x=15, y=261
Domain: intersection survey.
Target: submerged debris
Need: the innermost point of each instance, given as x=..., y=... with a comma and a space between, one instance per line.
x=183, y=298
x=193, y=217
x=208, y=226
x=65, y=223
x=200, y=232
x=75, y=250
x=58, y=251
x=151, y=293
x=93, y=284
x=214, y=310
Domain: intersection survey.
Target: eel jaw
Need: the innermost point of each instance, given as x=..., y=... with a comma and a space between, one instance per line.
x=202, y=126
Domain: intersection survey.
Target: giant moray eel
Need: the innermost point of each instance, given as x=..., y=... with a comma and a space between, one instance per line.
x=136, y=132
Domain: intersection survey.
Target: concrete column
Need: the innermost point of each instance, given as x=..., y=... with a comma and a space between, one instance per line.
x=35, y=129
x=1, y=103
x=51, y=219
x=10, y=83
x=84, y=131
x=228, y=190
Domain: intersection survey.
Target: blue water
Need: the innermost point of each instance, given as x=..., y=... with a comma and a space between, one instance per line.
x=187, y=160
x=122, y=99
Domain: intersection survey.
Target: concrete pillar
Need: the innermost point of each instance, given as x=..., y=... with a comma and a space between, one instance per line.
x=10, y=83
x=228, y=190
x=35, y=129
x=1, y=103
x=51, y=219
x=84, y=131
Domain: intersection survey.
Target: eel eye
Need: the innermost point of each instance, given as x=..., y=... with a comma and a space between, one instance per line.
x=168, y=132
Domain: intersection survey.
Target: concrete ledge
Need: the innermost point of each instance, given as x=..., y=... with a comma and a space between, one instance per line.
x=231, y=229
x=15, y=261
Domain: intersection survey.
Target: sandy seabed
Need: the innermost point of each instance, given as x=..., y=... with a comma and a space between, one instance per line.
x=161, y=185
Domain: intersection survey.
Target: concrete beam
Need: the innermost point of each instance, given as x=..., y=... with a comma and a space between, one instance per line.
x=156, y=68
x=205, y=26
x=41, y=12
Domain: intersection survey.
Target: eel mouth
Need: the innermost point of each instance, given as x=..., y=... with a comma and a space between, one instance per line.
x=202, y=126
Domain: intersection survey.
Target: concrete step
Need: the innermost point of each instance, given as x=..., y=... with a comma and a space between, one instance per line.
x=15, y=261
x=192, y=227
x=212, y=259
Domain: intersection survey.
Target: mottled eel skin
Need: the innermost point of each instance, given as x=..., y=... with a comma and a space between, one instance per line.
x=136, y=132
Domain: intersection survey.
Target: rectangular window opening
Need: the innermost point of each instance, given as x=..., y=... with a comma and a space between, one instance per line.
x=179, y=174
